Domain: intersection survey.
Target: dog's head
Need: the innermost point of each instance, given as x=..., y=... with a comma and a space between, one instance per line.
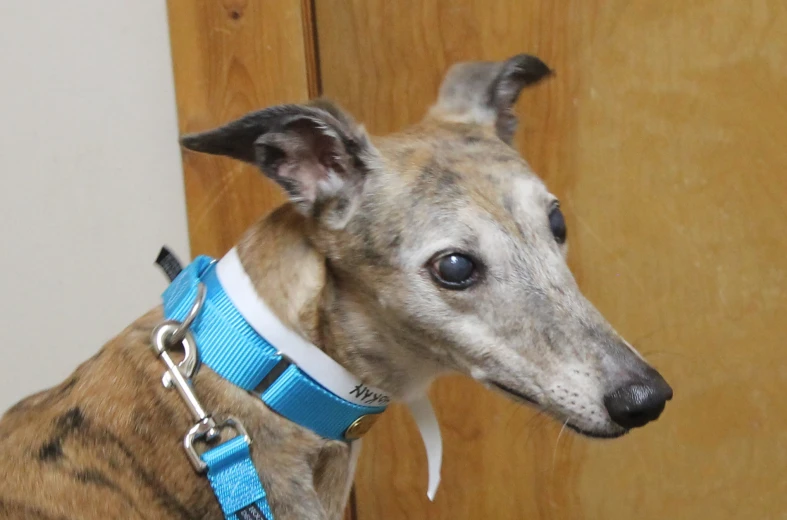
x=445, y=252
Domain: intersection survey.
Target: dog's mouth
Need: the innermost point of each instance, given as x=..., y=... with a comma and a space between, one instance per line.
x=513, y=393
x=518, y=396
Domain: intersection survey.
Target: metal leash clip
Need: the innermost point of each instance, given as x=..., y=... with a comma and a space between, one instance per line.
x=171, y=334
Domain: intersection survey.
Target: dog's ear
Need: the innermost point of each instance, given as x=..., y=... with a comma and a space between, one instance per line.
x=315, y=152
x=485, y=92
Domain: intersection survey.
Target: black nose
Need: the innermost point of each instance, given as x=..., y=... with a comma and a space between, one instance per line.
x=637, y=403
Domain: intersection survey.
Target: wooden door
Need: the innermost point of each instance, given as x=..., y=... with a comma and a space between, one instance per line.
x=663, y=132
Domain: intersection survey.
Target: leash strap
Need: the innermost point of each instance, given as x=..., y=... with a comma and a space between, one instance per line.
x=235, y=481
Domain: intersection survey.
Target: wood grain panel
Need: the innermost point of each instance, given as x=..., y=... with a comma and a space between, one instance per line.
x=231, y=57
x=662, y=133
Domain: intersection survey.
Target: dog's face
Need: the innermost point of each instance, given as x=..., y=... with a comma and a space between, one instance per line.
x=447, y=253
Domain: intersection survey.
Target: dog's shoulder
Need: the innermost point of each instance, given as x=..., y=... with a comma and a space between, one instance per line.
x=83, y=443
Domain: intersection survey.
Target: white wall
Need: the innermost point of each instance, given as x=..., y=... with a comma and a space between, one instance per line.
x=90, y=180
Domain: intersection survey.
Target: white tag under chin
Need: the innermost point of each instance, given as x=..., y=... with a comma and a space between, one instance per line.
x=425, y=418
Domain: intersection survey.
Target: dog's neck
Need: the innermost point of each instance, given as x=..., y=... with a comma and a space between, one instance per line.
x=287, y=272
x=292, y=277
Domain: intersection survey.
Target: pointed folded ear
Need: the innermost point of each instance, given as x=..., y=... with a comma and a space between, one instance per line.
x=315, y=152
x=484, y=92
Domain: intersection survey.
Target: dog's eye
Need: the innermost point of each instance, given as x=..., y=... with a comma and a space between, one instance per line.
x=454, y=271
x=557, y=224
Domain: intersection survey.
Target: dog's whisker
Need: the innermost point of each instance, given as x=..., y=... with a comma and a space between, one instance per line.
x=534, y=424
x=557, y=443
x=516, y=411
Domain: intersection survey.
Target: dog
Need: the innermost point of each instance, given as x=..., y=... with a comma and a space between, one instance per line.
x=430, y=251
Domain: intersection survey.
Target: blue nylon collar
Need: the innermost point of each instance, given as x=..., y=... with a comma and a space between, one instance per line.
x=236, y=352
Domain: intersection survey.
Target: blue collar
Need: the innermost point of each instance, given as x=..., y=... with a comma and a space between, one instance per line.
x=231, y=347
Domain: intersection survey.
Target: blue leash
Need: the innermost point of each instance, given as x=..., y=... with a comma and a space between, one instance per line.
x=235, y=481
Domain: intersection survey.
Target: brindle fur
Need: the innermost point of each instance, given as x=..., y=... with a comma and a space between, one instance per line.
x=343, y=264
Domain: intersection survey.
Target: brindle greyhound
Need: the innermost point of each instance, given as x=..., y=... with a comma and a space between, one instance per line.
x=405, y=257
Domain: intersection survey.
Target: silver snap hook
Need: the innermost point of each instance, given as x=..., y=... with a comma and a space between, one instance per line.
x=174, y=376
x=189, y=365
x=199, y=432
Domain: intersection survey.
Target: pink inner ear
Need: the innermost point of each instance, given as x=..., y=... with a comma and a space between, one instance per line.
x=308, y=173
x=314, y=159
x=307, y=157
x=321, y=142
